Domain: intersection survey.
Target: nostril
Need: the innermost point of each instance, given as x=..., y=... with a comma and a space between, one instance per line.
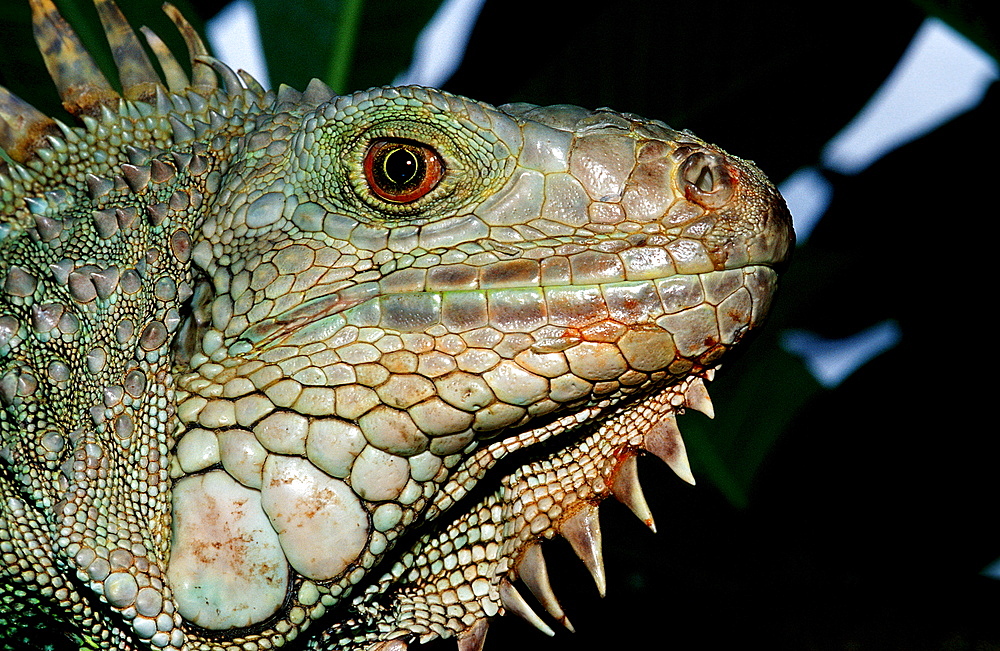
x=706, y=179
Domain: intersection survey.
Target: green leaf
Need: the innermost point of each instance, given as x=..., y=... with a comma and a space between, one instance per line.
x=350, y=44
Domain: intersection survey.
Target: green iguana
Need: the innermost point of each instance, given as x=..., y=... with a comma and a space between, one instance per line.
x=283, y=366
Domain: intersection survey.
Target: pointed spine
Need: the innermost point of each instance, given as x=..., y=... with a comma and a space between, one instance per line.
x=69, y=133
x=317, y=93
x=137, y=176
x=627, y=489
x=696, y=397
x=583, y=531
x=21, y=126
x=126, y=216
x=45, y=317
x=106, y=281
x=80, y=83
x=231, y=81
x=288, y=95
x=161, y=172
x=48, y=228
x=58, y=145
x=81, y=286
x=99, y=186
x=664, y=440
x=36, y=205
x=135, y=71
x=137, y=155
x=515, y=603
x=181, y=132
x=156, y=213
x=202, y=77
x=473, y=638
x=256, y=92
x=534, y=573
x=177, y=80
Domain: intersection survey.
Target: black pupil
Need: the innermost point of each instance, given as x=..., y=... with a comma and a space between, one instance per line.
x=400, y=166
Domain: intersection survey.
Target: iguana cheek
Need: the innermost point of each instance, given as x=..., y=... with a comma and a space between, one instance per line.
x=232, y=546
x=321, y=524
x=220, y=586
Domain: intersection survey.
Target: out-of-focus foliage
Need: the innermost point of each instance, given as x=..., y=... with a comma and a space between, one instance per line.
x=856, y=517
x=369, y=42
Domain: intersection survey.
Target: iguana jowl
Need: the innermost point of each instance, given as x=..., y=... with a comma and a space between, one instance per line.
x=283, y=366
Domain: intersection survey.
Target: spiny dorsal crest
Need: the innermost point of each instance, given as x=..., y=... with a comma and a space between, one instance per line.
x=160, y=112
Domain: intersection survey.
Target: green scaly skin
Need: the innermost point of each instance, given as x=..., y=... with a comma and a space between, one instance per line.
x=286, y=366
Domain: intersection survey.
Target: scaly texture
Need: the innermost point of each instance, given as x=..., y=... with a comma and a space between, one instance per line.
x=283, y=366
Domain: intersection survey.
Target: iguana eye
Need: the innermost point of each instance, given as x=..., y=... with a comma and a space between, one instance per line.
x=402, y=171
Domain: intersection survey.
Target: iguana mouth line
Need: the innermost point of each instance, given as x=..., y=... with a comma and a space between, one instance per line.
x=632, y=303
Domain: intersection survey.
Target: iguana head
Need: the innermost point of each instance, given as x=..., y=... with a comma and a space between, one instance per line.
x=380, y=346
